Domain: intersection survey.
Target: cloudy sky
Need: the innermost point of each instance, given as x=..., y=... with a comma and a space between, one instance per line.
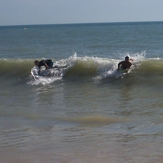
x=26, y=12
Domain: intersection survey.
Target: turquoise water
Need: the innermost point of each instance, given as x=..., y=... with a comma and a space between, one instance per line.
x=89, y=113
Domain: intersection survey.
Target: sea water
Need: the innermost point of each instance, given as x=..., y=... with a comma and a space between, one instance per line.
x=89, y=113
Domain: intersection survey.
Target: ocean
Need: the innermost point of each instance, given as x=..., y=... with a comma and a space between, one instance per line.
x=88, y=113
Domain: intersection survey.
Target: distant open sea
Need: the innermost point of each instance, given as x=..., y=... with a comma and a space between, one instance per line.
x=90, y=114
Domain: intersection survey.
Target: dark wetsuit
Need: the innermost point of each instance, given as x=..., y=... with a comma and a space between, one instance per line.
x=49, y=62
x=124, y=65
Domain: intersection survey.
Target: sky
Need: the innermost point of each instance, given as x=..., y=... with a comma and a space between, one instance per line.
x=29, y=12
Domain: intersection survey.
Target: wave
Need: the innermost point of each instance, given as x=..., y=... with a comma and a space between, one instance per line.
x=95, y=68
x=15, y=67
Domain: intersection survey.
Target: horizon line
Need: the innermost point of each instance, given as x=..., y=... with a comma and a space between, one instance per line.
x=125, y=22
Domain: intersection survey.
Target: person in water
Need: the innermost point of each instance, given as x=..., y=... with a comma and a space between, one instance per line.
x=47, y=63
x=125, y=65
